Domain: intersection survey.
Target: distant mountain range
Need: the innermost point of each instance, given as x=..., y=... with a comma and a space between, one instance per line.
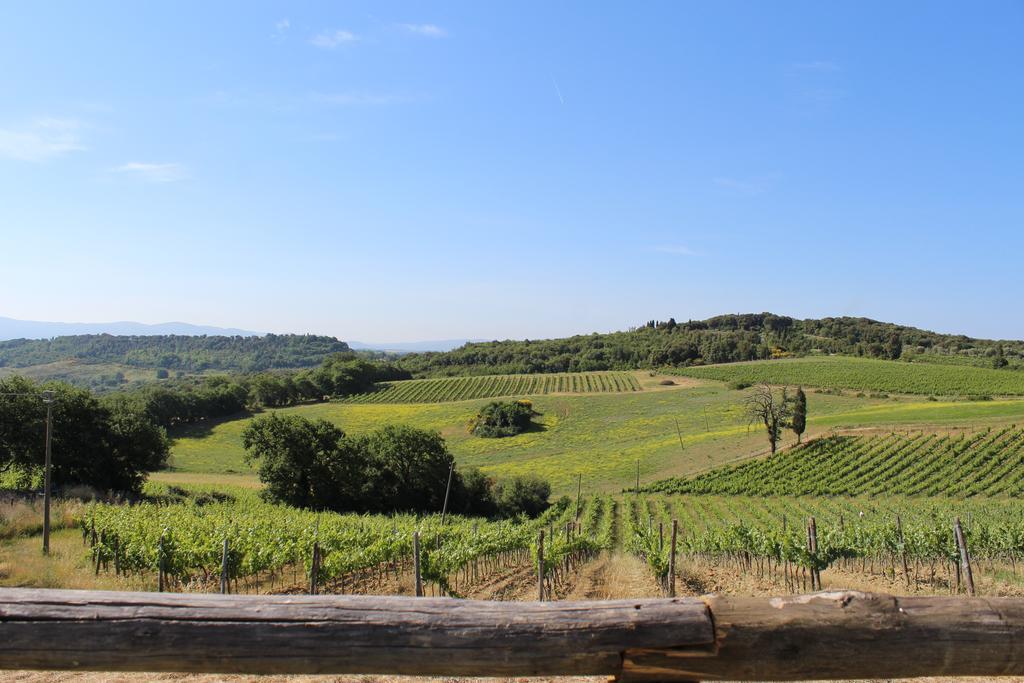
x=413, y=347
x=34, y=329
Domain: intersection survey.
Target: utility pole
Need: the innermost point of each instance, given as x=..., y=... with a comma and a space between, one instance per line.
x=48, y=399
x=579, y=490
x=447, y=490
x=637, y=489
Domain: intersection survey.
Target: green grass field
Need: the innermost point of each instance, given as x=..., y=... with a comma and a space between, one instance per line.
x=599, y=435
x=492, y=386
x=864, y=374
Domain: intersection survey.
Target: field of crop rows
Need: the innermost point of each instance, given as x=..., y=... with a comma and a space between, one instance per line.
x=984, y=462
x=493, y=386
x=863, y=374
x=909, y=538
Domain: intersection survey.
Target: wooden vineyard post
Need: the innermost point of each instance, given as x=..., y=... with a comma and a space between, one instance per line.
x=579, y=491
x=416, y=563
x=672, y=562
x=637, y=489
x=160, y=564
x=812, y=549
x=224, y=568
x=540, y=566
x=314, y=569
x=903, y=549
x=965, y=558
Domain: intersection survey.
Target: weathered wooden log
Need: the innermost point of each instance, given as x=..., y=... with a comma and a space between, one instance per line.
x=844, y=635
x=270, y=634
x=837, y=635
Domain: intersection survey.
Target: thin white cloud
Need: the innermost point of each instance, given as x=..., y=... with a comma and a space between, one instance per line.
x=282, y=25
x=742, y=186
x=357, y=99
x=677, y=249
x=329, y=40
x=43, y=139
x=820, y=66
x=154, y=173
x=428, y=30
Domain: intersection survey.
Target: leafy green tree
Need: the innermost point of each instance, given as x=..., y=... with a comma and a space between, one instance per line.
x=523, y=495
x=408, y=468
x=502, y=418
x=306, y=463
x=894, y=349
x=109, y=445
x=999, y=360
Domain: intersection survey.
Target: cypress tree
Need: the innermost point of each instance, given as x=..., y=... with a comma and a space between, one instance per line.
x=799, y=421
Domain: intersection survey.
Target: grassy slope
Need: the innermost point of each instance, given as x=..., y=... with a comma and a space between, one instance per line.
x=869, y=375
x=601, y=436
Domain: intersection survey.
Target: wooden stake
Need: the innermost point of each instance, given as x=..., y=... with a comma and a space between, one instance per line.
x=965, y=558
x=903, y=549
x=224, y=588
x=579, y=490
x=672, y=562
x=416, y=563
x=540, y=566
x=160, y=565
x=314, y=570
x=679, y=433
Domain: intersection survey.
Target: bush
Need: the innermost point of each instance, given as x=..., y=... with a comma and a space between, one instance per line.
x=667, y=383
x=738, y=386
x=522, y=495
x=502, y=418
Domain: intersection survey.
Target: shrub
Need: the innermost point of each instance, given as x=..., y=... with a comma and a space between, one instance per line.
x=502, y=418
x=522, y=495
x=738, y=386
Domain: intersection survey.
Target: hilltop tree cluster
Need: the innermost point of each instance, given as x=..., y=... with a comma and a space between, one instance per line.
x=314, y=464
x=722, y=339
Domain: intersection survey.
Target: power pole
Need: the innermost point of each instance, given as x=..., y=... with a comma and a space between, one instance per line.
x=48, y=399
x=579, y=490
x=447, y=490
x=637, y=489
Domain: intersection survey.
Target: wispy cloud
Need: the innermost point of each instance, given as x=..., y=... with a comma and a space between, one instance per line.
x=428, y=30
x=676, y=249
x=820, y=66
x=330, y=40
x=43, y=139
x=355, y=99
x=750, y=186
x=282, y=25
x=154, y=173
x=558, y=90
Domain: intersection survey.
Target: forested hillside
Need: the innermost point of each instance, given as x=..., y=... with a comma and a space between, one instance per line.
x=722, y=339
x=176, y=352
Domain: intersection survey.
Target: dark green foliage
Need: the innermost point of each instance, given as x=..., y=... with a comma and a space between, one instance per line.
x=798, y=413
x=176, y=352
x=303, y=462
x=723, y=339
x=313, y=464
x=522, y=495
x=502, y=418
x=108, y=445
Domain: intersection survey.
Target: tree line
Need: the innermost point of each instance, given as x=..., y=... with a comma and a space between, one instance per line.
x=721, y=339
x=107, y=444
x=184, y=353
x=313, y=464
x=198, y=399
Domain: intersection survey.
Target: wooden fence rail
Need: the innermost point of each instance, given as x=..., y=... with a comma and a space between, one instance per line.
x=823, y=635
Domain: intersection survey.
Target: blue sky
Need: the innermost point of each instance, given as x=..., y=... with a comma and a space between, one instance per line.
x=404, y=171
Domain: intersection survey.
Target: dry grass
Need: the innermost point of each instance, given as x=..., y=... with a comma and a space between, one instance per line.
x=25, y=518
x=23, y=564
